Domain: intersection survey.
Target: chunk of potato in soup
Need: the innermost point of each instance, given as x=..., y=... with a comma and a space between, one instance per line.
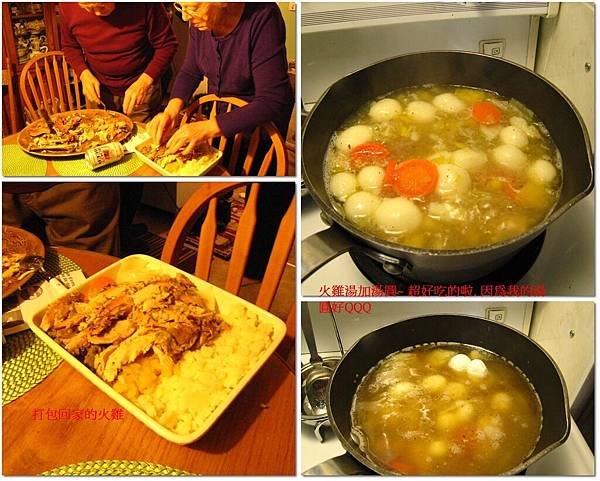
x=443, y=167
x=446, y=409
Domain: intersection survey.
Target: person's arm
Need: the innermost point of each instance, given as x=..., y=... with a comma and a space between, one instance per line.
x=271, y=81
x=75, y=58
x=164, y=44
x=187, y=81
x=71, y=48
x=162, y=39
x=190, y=75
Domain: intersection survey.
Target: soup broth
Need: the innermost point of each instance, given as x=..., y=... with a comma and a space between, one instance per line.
x=443, y=167
x=446, y=409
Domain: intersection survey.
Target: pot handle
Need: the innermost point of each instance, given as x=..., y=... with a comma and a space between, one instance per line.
x=324, y=246
x=344, y=465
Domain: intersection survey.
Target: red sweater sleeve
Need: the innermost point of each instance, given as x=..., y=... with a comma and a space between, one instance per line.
x=70, y=46
x=269, y=72
x=162, y=39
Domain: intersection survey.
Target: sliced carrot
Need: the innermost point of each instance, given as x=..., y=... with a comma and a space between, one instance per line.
x=96, y=285
x=415, y=177
x=369, y=154
x=390, y=173
x=401, y=466
x=486, y=113
x=509, y=190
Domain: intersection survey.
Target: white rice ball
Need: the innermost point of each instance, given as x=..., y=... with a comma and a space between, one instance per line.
x=370, y=178
x=361, y=204
x=385, y=109
x=477, y=369
x=452, y=180
x=468, y=158
x=342, y=185
x=398, y=215
x=420, y=111
x=541, y=172
x=353, y=136
x=449, y=103
x=459, y=363
x=490, y=132
x=509, y=157
x=513, y=136
x=434, y=383
x=501, y=401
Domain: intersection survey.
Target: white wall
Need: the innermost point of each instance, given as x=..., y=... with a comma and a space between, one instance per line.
x=566, y=330
x=565, y=46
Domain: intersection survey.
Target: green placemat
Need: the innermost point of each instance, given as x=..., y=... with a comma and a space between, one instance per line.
x=125, y=167
x=77, y=167
x=115, y=468
x=26, y=361
x=56, y=264
x=15, y=162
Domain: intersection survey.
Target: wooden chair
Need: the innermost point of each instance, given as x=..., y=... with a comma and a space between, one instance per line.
x=204, y=201
x=10, y=122
x=211, y=104
x=45, y=82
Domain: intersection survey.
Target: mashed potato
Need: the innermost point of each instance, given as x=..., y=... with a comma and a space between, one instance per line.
x=201, y=380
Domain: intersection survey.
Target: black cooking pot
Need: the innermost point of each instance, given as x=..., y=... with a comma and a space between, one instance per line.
x=505, y=341
x=451, y=68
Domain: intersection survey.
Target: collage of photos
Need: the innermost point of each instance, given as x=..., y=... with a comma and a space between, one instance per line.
x=298, y=238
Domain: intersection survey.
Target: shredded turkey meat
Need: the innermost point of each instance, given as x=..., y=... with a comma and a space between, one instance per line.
x=109, y=329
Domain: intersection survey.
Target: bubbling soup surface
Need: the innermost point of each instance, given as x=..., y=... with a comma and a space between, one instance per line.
x=446, y=409
x=443, y=167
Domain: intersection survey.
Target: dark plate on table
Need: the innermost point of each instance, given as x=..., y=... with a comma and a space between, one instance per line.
x=102, y=126
x=18, y=241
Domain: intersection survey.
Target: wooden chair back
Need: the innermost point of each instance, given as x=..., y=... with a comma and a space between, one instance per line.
x=204, y=201
x=10, y=122
x=275, y=150
x=47, y=81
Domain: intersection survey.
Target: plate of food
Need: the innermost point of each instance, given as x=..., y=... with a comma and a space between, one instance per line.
x=76, y=132
x=203, y=158
x=18, y=247
x=170, y=348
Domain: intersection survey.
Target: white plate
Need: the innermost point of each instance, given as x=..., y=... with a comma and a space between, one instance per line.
x=137, y=267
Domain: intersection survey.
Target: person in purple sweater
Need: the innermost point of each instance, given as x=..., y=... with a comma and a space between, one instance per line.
x=240, y=48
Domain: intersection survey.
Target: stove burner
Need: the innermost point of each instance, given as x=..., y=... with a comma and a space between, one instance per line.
x=506, y=275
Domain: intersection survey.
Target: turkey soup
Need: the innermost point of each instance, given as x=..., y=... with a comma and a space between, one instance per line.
x=443, y=167
x=446, y=409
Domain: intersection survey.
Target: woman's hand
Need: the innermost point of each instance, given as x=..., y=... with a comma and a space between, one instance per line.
x=91, y=86
x=164, y=121
x=137, y=93
x=192, y=134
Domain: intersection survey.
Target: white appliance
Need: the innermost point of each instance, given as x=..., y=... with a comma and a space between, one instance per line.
x=339, y=38
x=569, y=340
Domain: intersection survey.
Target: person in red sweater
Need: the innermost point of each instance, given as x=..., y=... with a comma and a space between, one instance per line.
x=120, y=51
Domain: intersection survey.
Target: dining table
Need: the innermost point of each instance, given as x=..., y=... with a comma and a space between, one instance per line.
x=40, y=166
x=254, y=436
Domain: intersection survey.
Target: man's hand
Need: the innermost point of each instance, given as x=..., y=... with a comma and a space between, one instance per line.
x=164, y=121
x=192, y=134
x=137, y=93
x=91, y=86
